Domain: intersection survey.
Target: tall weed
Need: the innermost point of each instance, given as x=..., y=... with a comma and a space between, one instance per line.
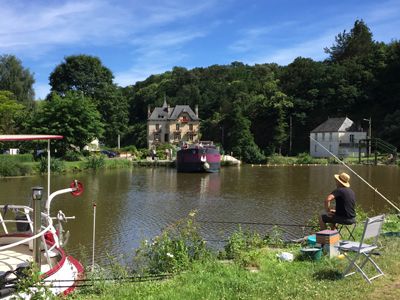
x=173, y=250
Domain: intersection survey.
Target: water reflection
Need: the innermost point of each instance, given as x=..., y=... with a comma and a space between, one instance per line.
x=137, y=204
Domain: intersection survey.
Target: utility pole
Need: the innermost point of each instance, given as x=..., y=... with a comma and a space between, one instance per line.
x=290, y=135
x=369, y=134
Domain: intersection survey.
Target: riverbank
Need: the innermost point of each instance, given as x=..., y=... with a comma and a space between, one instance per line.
x=255, y=272
x=24, y=165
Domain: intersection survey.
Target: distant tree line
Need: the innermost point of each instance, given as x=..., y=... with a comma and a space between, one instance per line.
x=246, y=109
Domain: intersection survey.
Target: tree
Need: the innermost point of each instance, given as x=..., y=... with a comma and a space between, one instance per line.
x=80, y=73
x=113, y=107
x=11, y=112
x=87, y=75
x=239, y=139
x=74, y=116
x=16, y=79
x=356, y=43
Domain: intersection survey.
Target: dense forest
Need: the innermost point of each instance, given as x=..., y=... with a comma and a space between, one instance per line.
x=252, y=111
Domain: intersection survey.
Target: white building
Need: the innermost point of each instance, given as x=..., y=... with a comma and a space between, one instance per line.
x=338, y=135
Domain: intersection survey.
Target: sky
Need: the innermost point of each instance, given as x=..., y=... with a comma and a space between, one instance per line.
x=138, y=38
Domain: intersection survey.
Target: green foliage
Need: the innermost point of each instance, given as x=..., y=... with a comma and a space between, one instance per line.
x=304, y=158
x=31, y=285
x=275, y=237
x=11, y=112
x=94, y=162
x=72, y=155
x=81, y=73
x=174, y=250
x=392, y=223
x=56, y=165
x=73, y=116
x=241, y=242
x=12, y=165
x=17, y=80
x=277, y=159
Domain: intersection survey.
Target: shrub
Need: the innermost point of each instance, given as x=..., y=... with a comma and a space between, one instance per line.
x=95, y=162
x=56, y=165
x=10, y=165
x=72, y=155
x=241, y=242
x=173, y=250
x=280, y=160
x=304, y=158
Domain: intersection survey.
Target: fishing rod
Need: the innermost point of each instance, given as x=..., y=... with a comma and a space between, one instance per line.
x=355, y=173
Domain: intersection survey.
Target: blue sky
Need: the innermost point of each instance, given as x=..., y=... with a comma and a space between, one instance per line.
x=137, y=38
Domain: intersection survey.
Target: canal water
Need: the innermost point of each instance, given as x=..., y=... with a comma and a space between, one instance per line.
x=136, y=204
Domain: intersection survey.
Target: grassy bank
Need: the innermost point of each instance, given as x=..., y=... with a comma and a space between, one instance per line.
x=251, y=270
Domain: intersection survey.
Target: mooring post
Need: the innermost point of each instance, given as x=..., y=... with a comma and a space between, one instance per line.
x=37, y=223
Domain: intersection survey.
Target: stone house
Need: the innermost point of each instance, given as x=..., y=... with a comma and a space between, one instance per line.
x=338, y=135
x=172, y=125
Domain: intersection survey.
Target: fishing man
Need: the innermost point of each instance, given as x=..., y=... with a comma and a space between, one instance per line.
x=345, y=199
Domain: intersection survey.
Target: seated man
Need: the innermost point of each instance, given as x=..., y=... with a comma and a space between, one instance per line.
x=344, y=212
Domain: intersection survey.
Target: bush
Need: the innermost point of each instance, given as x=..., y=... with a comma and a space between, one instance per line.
x=280, y=160
x=10, y=165
x=72, y=155
x=304, y=158
x=95, y=162
x=241, y=242
x=56, y=165
x=173, y=250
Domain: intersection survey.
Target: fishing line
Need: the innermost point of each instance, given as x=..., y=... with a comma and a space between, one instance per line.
x=355, y=173
x=253, y=223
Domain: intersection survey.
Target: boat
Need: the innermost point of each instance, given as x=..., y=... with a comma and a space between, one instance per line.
x=30, y=237
x=199, y=157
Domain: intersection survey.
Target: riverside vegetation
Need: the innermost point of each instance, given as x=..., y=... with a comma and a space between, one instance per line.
x=247, y=268
x=25, y=164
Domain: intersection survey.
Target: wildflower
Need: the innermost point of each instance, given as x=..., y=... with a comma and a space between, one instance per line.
x=192, y=214
x=170, y=255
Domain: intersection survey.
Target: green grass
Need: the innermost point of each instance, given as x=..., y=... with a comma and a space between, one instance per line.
x=275, y=280
x=301, y=279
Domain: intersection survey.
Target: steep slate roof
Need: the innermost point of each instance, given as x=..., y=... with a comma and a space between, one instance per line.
x=336, y=125
x=166, y=113
x=181, y=109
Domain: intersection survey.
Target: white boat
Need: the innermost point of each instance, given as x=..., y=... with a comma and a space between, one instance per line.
x=28, y=235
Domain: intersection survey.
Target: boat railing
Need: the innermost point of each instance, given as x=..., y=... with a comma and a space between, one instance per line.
x=25, y=212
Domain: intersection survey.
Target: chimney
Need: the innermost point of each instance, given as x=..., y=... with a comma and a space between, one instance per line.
x=148, y=111
x=197, y=111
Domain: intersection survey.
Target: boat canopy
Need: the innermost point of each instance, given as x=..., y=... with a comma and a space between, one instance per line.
x=29, y=137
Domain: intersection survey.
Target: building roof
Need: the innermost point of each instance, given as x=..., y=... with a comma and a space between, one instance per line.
x=171, y=113
x=336, y=125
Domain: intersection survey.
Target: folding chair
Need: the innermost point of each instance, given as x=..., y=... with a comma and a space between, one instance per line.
x=363, y=252
x=346, y=227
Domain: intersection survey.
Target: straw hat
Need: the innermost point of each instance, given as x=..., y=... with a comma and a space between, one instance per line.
x=343, y=178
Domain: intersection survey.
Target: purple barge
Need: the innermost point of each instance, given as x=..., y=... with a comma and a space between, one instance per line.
x=201, y=157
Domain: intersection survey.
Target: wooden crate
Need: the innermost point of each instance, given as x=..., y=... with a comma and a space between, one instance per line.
x=327, y=237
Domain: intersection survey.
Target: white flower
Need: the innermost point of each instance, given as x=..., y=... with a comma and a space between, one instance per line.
x=170, y=255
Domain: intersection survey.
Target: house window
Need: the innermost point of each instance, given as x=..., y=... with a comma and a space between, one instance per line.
x=315, y=148
x=351, y=138
x=190, y=137
x=157, y=126
x=157, y=137
x=177, y=127
x=323, y=136
x=330, y=136
x=315, y=136
x=330, y=148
